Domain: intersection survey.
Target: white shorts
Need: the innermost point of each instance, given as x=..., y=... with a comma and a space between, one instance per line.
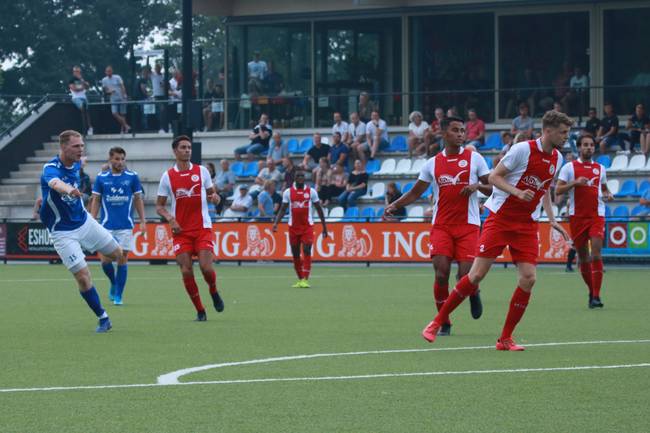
x=91, y=236
x=124, y=238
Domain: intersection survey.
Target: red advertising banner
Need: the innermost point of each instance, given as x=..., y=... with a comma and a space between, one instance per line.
x=349, y=242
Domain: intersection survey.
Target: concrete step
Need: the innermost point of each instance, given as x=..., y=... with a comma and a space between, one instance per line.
x=24, y=174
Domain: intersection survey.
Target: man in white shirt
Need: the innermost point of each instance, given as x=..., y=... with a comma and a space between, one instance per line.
x=78, y=87
x=240, y=204
x=159, y=94
x=113, y=86
x=257, y=71
x=376, y=137
x=340, y=126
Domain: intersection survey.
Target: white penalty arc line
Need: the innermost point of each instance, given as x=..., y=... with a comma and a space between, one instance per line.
x=333, y=378
x=173, y=377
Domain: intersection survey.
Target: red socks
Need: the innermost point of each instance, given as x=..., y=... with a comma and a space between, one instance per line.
x=440, y=295
x=585, y=271
x=518, y=305
x=211, y=279
x=193, y=291
x=463, y=289
x=596, y=277
x=306, y=267
x=297, y=266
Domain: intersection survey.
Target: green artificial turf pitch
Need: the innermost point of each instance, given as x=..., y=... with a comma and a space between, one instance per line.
x=47, y=340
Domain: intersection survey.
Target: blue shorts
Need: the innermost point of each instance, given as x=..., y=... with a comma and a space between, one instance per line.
x=117, y=106
x=80, y=103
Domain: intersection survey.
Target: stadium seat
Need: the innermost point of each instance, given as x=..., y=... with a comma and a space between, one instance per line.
x=293, y=145
x=407, y=187
x=379, y=213
x=237, y=168
x=628, y=189
x=372, y=166
x=637, y=162
x=415, y=214
x=335, y=214
x=351, y=214
x=613, y=185
x=619, y=163
x=640, y=210
x=647, y=165
x=403, y=166
x=387, y=167
x=621, y=213
x=605, y=161
x=398, y=144
x=417, y=166
x=564, y=211
x=427, y=192
x=326, y=212
x=254, y=213
x=251, y=169
x=305, y=144
x=644, y=186
x=488, y=162
x=493, y=142
x=608, y=211
x=368, y=213
x=375, y=192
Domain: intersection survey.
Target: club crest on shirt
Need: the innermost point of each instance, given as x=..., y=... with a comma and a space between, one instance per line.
x=596, y=171
x=462, y=163
x=195, y=178
x=551, y=169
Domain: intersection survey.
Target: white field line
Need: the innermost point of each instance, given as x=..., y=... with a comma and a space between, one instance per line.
x=329, y=378
x=171, y=379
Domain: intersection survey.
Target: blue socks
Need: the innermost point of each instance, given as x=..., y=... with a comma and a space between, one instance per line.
x=120, y=280
x=92, y=299
x=109, y=270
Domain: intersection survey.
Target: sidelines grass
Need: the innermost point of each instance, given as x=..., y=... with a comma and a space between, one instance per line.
x=47, y=339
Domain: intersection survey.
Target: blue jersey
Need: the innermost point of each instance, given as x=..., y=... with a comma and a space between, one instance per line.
x=61, y=212
x=116, y=191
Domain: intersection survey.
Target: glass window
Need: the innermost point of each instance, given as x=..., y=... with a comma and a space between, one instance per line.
x=540, y=73
x=358, y=56
x=627, y=58
x=269, y=73
x=453, y=64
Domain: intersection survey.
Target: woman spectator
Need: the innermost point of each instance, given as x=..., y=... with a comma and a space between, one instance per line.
x=322, y=174
x=392, y=194
x=418, y=134
x=357, y=186
x=337, y=180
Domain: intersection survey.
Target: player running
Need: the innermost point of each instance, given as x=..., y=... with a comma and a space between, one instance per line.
x=521, y=183
x=299, y=197
x=586, y=182
x=190, y=187
x=456, y=174
x=118, y=189
x=72, y=231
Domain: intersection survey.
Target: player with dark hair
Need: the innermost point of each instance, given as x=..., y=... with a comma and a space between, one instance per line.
x=118, y=190
x=299, y=198
x=521, y=184
x=189, y=187
x=455, y=174
x=586, y=182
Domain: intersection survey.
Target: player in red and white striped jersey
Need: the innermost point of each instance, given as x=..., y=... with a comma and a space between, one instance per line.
x=455, y=175
x=586, y=182
x=521, y=183
x=300, y=198
x=189, y=186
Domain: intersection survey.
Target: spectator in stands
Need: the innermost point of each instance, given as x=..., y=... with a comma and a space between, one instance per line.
x=259, y=137
x=392, y=194
x=270, y=172
x=336, y=182
x=257, y=70
x=289, y=172
x=278, y=151
x=474, y=129
x=558, y=106
x=212, y=105
x=356, y=131
x=322, y=175
x=174, y=96
x=240, y=204
x=357, y=185
x=435, y=133
x=341, y=127
x=313, y=155
x=523, y=122
x=224, y=183
x=376, y=137
x=159, y=94
x=212, y=170
x=143, y=93
x=608, y=133
x=592, y=125
x=366, y=107
x=452, y=111
x=274, y=81
x=576, y=98
x=338, y=151
x=645, y=201
x=113, y=87
x=638, y=125
x=265, y=203
x=418, y=134
x=78, y=86
x=507, y=142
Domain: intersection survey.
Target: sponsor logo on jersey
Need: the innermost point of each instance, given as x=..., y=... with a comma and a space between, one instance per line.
x=534, y=181
x=447, y=179
x=593, y=181
x=186, y=193
x=300, y=204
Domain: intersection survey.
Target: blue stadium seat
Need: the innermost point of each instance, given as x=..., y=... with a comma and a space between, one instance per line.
x=628, y=189
x=294, y=145
x=604, y=160
x=251, y=169
x=407, y=187
x=306, y=144
x=621, y=213
x=489, y=163
x=254, y=213
x=398, y=144
x=640, y=210
x=351, y=214
x=379, y=213
x=368, y=213
x=608, y=211
x=644, y=186
x=493, y=142
x=427, y=192
x=237, y=168
x=373, y=166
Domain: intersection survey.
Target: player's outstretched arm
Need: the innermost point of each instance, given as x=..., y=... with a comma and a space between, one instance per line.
x=497, y=178
x=321, y=215
x=406, y=199
x=280, y=214
x=63, y=188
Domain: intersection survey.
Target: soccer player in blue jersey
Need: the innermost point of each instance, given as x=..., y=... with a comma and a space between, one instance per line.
x=118, y=190
x=70, y=227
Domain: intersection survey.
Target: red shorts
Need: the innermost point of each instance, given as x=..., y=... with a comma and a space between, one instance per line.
x=301, y=235
x=521, y=238
x=456, y=241
x=193, y=241
x=583, y=229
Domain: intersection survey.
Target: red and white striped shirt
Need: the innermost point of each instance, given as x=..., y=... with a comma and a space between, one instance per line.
x=188, y=196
